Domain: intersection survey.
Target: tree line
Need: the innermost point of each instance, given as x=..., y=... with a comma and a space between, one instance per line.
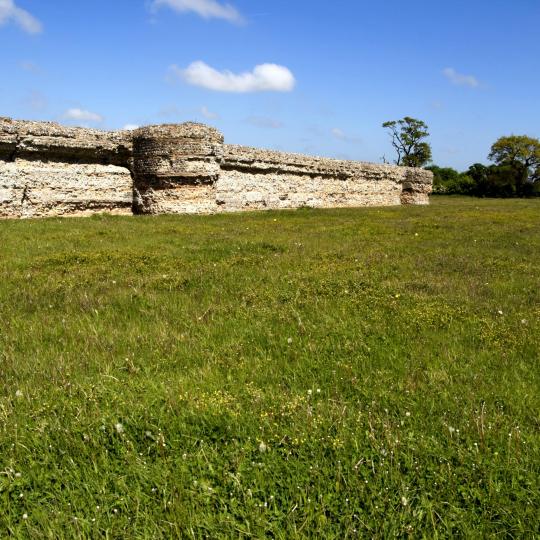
x=515, y=171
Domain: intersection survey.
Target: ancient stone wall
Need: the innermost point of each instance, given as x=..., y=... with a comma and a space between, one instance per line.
x=257, y=179
x=176, y=168
x=188, y=169
x=50, y=170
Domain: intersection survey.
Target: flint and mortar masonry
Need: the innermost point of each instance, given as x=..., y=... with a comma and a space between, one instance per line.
x=50, y=170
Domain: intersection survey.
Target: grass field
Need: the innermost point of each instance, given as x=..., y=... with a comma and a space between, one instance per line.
x=327, y=374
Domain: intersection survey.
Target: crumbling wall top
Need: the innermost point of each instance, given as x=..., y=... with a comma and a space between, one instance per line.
x=49, y=140
x=187, y=130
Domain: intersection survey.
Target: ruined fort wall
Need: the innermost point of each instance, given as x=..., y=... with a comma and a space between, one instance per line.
x=188, y=169
x=176, y=168
x=258, y=179
x=50, y=170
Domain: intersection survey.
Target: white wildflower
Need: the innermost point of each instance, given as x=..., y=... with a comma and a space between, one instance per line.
x=19, y=394
x=263, y=448
x=404, y=501
x=119, y=428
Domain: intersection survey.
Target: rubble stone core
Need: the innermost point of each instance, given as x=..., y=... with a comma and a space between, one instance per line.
x=50, y=170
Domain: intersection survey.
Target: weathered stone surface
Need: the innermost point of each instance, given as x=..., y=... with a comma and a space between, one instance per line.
x=258, y=179
x=44, y=189
x=50, y=141
x=176, y=168
x=417, y=186
x=48, y=170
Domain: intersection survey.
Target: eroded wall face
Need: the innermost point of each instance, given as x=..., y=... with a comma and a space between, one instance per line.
x=45, y=189
x=48, y=170
x=176, y=169
x=187, y=169
x=253, y=179
x=243, y=190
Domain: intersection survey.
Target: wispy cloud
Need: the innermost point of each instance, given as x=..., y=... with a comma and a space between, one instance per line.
x=342, y=136
x=264, y=122
x=36, y=101
x=130, y=127
x=207, y=9
x=80, y=115
x=263, y=78
x=170, y=111
x=436, y=105
x=208, y=113
x=30, y=67
x=9, y=11
x=460, y=79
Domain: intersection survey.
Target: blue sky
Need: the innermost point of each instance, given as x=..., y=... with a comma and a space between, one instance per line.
x=307, y=76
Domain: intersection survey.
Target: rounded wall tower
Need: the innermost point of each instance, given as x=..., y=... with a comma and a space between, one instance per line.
x=175, y=168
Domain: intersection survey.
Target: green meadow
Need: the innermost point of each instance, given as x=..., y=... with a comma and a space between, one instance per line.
x=348, y=373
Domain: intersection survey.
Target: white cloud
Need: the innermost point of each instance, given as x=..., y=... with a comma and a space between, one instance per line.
x=342, y=136
x=9, y=11
x=81, y=115
x=130, y=127
x=263, y=78
x=459, y=79
x=209, y=114
x=205, y=8
x=264, y=122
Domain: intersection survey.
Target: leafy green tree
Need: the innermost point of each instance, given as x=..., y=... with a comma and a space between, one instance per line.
x=408, y=136
x=519, y=155
x=505, y=180
x=480, y=176
x=449, y=181
x=443, y=178
x=516, y=149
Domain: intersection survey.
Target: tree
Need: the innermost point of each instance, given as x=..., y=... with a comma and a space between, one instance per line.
x=522, y=154
x=516, y=149
x=449, y=181
x=480, y=175
x=408, y=136
x=504, y=180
